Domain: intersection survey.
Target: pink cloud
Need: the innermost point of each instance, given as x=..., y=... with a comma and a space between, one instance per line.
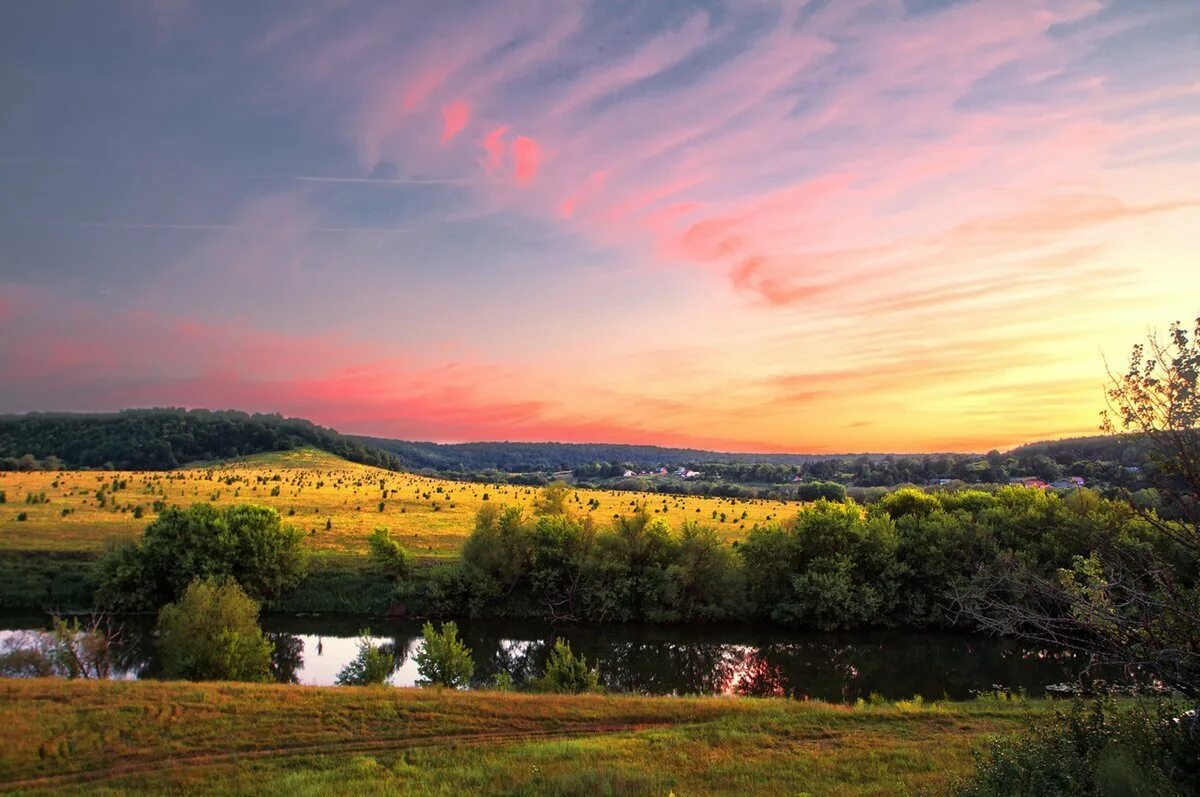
x=493, y=147
x=527, y=157
x=595, y=182
x=454, y=120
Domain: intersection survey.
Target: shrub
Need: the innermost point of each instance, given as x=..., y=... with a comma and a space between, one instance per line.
x=211, y=634
x=1096, y=751
x=371, y=667
x=566, y=672
x=70, y=650
x=443, y=659
x=388, y=556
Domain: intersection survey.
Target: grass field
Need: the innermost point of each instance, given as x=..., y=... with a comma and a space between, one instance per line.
x=336, y=502
x=152, y=737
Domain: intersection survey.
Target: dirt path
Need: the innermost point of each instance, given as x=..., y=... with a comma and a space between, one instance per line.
x=200, y=760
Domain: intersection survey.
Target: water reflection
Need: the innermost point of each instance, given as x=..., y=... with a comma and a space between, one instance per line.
x=658, y=659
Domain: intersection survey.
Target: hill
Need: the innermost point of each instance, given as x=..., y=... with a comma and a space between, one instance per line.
x=1123, y=449
x=336, y=502
x=162, y=439
x=518, y=457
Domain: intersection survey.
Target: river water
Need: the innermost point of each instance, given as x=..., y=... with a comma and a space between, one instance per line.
x=661, y=660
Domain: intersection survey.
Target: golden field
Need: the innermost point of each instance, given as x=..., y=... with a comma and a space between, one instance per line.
x=337, y=503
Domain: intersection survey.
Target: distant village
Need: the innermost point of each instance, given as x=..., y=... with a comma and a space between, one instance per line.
x=1069, y=483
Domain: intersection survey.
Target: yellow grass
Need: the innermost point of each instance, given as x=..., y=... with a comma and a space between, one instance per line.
x=430, y=516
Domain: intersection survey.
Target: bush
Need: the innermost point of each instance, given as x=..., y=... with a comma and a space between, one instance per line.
x=812, y=491
x=443, y=659
x=211, y=634
x=566, y=672
x=246, y=543
x=371, y=667
x=387, y=556
x=1092, y=751
x=70, y=650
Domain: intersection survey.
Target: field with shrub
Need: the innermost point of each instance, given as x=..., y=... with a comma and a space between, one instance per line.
x=336, y=503
x=155, y=737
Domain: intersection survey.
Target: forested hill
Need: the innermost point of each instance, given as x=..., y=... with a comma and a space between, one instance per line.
x=1124, y=449
x=515, y=457
x=158, y=439
x=155, y=439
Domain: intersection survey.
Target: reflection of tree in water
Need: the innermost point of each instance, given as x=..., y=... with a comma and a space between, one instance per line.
x=287, y=659
x=133, y=651
x=898, y=665
x=689, y=659
x=494, y=654
x=397, y=648
x=667, y=667
x=757, y=676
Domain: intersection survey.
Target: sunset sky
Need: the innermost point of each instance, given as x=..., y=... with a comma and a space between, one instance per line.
x=853, y=225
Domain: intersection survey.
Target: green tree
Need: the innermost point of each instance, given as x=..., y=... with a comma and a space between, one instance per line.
x=909, y=501
x=372, y=666
x=705, y=575
x=498, y=548
x=566, y=672
x=245, y=542
x=443, y=659
x=211, y=634
x=552, y=500
x=387, y=556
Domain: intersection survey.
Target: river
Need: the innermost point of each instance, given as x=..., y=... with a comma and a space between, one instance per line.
x=661, y=660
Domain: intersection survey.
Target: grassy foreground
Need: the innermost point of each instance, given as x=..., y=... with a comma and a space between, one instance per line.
x=154, y=737
x=335, y=502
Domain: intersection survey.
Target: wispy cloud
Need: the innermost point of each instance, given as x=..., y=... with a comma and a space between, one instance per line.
x=855, y=224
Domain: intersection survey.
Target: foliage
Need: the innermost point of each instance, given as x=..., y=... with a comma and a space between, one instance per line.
x=69, y=650
x=443, y=659
x=372, y=666
x=1124, y=588
x=1092, y=751
x=245, y=542
x=211, y=634
x=160, y=439
x=566, y=672
x=387, y=556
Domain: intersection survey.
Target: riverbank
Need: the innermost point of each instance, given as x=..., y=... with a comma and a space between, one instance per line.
x=154, y=737
x=65, y=581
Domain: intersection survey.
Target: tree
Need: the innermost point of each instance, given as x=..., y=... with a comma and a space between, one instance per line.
x=245, y=542
x=70, y=650
x=498, y=548
x=566, y=672
x=706, y=577
x=552, y=500
x=443, y=659
x=211, y=634
x=1132, y=597
x=388, y=556
x=371, y=667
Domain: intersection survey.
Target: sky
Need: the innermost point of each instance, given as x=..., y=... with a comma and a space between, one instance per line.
x=825, y=226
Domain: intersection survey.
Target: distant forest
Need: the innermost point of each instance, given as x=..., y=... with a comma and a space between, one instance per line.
x=551, y=457
x=157, y=439
x=160, y=439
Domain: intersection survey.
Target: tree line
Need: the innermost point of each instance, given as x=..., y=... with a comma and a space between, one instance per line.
x=161, y=439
